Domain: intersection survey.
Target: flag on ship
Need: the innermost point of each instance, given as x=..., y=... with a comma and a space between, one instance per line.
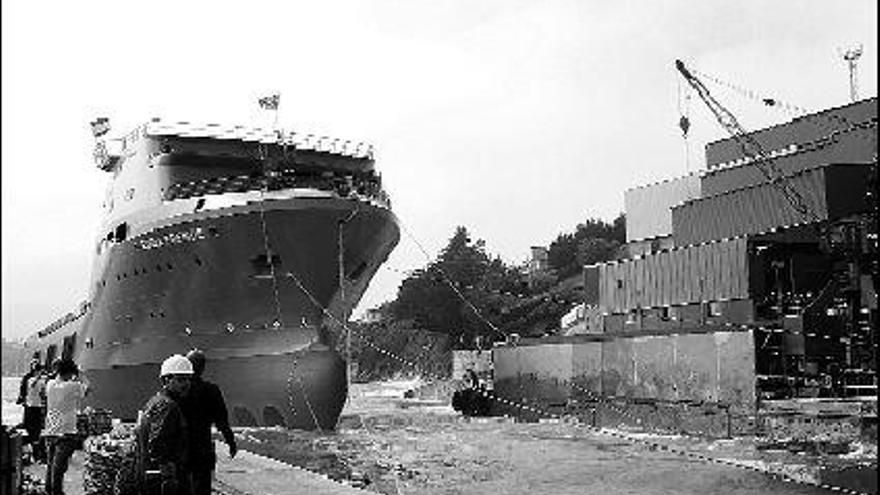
x=270, y=102
x=100, y=126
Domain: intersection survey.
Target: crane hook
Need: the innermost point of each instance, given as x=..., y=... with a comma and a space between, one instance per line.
x=685, y=124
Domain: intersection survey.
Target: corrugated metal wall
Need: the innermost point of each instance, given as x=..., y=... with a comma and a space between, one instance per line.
x=852, y=147
x=807, y=128
x=648, y=212
x=591, y=284
x=830, y=192
x=706, y=272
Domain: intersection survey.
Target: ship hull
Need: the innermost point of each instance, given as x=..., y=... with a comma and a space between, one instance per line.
x=256, y=287
x=304, y=389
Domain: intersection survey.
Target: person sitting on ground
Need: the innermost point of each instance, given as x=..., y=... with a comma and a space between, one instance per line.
x=64, y=394
x=162, y=429
x=204, y=406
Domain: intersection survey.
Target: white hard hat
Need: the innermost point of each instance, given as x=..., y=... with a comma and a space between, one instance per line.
x=176, y=365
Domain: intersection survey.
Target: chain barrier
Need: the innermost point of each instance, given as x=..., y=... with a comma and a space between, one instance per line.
x=530, y=408
x=522, y=405
x=279, y=322
x=291, y=378
x=269, y=258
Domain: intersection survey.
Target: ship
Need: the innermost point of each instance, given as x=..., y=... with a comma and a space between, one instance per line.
x=251, y=244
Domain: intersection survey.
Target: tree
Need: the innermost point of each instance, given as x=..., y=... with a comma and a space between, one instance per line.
x=592, y=242
x=459, y=292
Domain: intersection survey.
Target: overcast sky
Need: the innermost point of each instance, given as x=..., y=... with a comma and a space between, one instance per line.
x=517, y=119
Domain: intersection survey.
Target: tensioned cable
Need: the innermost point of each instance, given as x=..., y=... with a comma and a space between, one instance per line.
x=451, y=285
x=279, y=323
x=789, y=108
x=617, y=434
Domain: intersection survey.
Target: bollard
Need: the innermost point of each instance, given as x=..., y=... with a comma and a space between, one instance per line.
x=729, y=422
x=676, y=420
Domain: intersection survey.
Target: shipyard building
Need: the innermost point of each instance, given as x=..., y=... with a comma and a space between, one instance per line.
x=728, y=291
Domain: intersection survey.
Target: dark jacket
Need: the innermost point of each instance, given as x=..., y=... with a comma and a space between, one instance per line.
x=204, y=406
x=164, y=431
x=22, y=387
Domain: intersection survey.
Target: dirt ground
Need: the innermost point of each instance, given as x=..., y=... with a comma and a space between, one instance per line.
x=396, y=446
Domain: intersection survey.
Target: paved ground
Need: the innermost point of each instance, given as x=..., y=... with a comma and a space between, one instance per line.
x=246, y=474
x=394, y=446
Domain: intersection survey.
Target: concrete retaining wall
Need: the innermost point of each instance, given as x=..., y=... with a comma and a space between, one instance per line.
x=699, y=367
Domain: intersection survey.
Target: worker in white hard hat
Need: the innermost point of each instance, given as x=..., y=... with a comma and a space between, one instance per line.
x=203, y=407
x=163, y=430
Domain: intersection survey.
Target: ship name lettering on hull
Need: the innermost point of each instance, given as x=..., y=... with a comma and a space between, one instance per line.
x=191, y=235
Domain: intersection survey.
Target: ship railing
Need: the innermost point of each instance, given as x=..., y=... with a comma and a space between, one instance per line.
x=362, y=189
x=301, y=141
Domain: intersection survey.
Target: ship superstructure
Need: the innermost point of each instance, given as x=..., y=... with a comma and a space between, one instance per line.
x=251, y=244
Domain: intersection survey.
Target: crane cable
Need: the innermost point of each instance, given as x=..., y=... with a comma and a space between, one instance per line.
x=758, y=96
x=684, y=123
x=750, y=146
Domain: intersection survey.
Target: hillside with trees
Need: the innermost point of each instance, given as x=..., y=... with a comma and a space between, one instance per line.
x=592, y=242
x=467, y=298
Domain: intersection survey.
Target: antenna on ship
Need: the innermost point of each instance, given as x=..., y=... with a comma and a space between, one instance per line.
x=100, y=127
x=851, y=56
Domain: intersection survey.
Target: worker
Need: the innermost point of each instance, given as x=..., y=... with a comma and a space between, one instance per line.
x=32, y=395
x=64, y=395
x=203, y=407
x=162, y=430
x=33, y=369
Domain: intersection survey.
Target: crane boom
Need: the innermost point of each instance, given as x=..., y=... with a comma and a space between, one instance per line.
x=750, y=146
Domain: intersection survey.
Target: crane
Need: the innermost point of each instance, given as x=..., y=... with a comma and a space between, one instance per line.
x=750, y=146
